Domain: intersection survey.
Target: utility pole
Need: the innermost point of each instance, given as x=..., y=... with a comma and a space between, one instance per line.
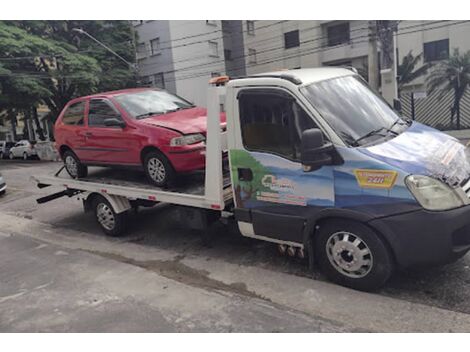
x=373, y=56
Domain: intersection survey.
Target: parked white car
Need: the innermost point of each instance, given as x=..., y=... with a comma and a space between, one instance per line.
x=3, y=185
x=23, y=149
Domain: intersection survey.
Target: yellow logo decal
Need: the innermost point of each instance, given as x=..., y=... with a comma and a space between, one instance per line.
x=367, y=178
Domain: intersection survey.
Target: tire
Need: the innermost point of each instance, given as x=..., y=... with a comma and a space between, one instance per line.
x=111, y=224
x=25, y=156
x=11, y=156
x=158, y=169
x=341, y=246
x=73, y=165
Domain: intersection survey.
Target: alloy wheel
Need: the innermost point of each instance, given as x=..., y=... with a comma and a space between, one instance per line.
x=156, y=170
x=105, y=216
x=71, y=165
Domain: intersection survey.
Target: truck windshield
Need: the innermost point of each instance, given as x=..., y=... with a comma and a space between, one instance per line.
x=151, y=102
x=353, y=110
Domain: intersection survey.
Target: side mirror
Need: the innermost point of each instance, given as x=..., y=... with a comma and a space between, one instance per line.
x=314, y=151
x=114, y=122
x=397, y=105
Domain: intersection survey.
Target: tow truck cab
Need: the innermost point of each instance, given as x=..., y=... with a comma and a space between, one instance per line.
x=319, y=161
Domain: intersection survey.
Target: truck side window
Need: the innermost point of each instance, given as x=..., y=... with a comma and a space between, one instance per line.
x=101, y=110
x=273, y=123
x=74, y=114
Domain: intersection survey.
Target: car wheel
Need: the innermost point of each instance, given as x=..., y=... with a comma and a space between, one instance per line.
x=158, y=169
x=12, y=156
x=111, y=223
x=73, y=165
x=25, y=156
x=352, y=255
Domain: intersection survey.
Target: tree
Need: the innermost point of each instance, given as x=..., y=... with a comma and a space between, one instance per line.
x=407, y=71
x=47, y=62
x=452, y=74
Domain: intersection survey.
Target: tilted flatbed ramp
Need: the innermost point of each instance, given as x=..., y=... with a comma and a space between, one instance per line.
x=132, y=184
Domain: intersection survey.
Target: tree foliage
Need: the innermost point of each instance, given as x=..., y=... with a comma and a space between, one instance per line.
x=407, y=71
x=452, y=74
x=46, y=62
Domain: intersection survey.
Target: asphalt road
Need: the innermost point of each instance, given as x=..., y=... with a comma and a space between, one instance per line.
x=159, y=231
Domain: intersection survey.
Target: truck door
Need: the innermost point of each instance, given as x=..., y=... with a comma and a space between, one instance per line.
x=273, y=194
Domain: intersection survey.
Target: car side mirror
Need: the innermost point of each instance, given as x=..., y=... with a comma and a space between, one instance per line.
x=314, y=151
x=114, y=122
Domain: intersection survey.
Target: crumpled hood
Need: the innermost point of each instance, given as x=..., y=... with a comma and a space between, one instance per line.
x=185, y=121
x=425, y=151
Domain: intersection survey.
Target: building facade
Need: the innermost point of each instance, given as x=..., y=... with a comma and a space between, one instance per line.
x=181, y=56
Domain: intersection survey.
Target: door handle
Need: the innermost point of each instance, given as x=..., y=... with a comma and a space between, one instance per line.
x=88, y=134
x=245, y=174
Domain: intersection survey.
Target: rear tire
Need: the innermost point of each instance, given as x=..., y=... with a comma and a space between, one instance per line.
x=73, y=165
x=158, y=169
x=351, y=254
x=111, y=224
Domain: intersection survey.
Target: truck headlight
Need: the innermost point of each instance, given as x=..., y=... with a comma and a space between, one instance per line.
x=187, y=139
x=433, y=194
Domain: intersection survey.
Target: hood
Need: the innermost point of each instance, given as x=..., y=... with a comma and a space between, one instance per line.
x=425, y=151
x=186, y=121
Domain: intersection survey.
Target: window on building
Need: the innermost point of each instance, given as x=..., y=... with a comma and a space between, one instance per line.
x=228, y=54
x=213, y=49
x=155, y=46
x=211, y=22
x=159, y=80
x=291, y=39
x=252, y=56
x=74, y=114
x=250, y=27
x=141, y=51
x=437, y=50
x=271, y=121
x=338, y=34
x=99, y=111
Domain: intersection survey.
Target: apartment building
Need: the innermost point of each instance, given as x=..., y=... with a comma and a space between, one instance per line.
x=181, y=56
x=274, y=45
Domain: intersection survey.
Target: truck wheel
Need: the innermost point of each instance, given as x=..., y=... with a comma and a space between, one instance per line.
x=353, y=255
x=111, y=223
x=73, y=165
x=158, y=169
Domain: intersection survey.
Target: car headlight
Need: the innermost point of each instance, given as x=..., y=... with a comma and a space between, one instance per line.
x=187, y=139
x=433, y=194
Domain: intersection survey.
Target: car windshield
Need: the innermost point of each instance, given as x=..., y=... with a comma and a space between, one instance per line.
x=353, y=110
x=151, y=102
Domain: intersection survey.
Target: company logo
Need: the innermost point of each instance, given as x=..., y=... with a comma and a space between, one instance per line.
x=367, y=178
x=271, y=182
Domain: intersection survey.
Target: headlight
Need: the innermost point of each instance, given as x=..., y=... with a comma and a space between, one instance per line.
x=187, y=139
x=433, y=194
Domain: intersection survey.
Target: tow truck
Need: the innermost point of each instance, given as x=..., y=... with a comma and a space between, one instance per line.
x=318, y=164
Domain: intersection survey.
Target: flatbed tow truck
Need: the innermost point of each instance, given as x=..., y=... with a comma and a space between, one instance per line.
x=310, y=171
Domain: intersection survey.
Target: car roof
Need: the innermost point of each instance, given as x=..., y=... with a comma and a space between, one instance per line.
x=116, y=92
x=307, y=75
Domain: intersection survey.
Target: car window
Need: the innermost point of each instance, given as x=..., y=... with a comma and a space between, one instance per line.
x=74, y=114
x=101, y=110
x=273, y=122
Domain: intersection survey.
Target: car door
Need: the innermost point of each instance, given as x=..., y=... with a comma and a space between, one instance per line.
x=72, y=128
x=18, y=149
x=273, y=194
x=108, y=144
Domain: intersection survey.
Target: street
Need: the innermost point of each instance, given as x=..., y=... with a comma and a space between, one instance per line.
x=60, y=273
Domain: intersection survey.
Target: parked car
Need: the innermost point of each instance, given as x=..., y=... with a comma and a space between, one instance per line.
x=5, y=149
x=3, y=185
x=140, y=127
x=23, y=149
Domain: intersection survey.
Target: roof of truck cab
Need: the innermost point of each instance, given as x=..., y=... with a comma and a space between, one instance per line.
x=307, y=75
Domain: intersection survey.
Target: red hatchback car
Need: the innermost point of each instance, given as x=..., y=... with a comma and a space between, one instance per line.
x=139, y=127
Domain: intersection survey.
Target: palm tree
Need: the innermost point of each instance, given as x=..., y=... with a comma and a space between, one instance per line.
x=452, y=74
x=407, y=71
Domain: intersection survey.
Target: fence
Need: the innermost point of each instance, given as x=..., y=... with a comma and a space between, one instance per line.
x=434, y=111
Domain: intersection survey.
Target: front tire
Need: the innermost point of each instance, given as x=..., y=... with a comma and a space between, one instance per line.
x=158, y=169
x=351, y=254
x=111, y=224
x=73, y=165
